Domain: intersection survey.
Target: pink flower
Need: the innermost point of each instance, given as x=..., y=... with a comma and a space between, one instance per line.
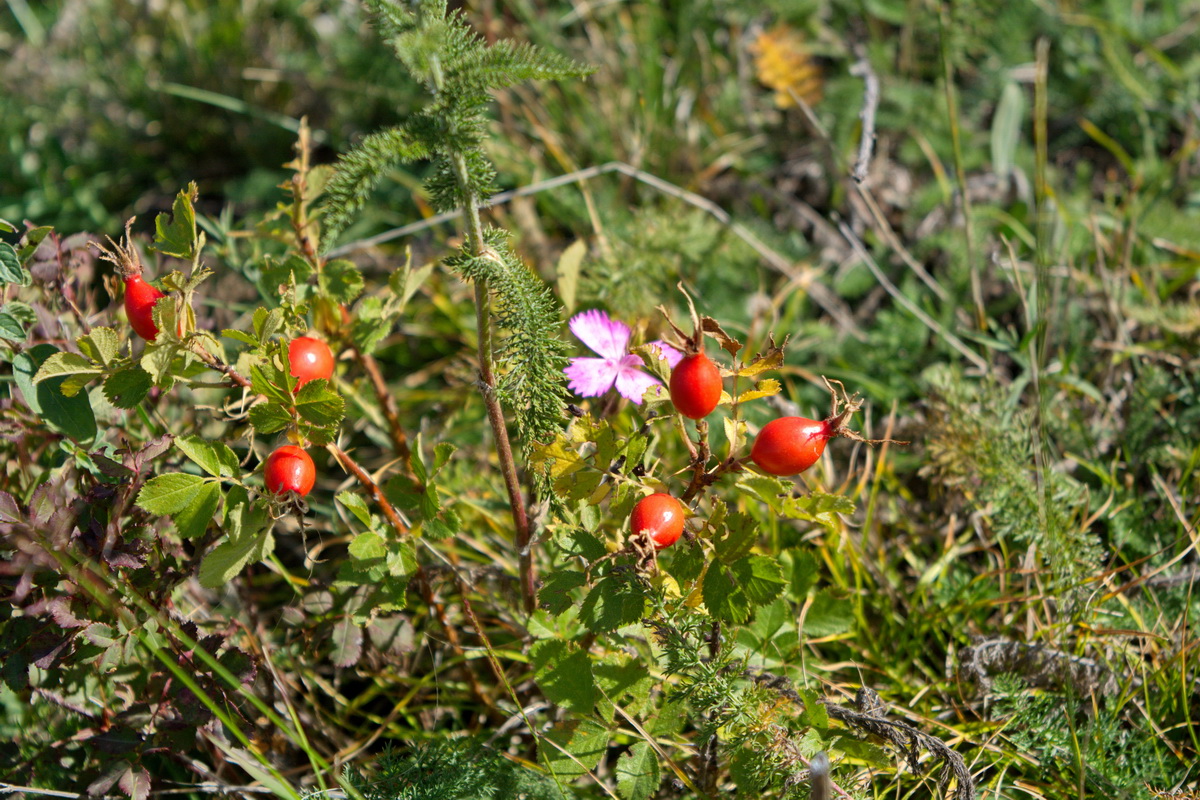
x=609, y=339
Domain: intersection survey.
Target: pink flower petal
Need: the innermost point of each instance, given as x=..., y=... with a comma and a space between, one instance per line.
x=632, y=383
x=605, y=336
x=672, y=355
x=591, y=377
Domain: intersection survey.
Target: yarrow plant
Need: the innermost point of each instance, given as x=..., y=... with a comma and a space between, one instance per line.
x=609, y=339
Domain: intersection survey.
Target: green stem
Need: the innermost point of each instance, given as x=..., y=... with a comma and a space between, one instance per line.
x=487, y=380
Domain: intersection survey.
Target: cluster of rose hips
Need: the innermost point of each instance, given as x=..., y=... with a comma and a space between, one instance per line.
x=784, y=446
x=289, y=468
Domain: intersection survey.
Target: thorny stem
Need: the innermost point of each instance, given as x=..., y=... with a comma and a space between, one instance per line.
x=371, y=486
x=487, y=381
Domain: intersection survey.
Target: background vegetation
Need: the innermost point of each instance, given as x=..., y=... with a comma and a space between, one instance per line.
x=1012, y=286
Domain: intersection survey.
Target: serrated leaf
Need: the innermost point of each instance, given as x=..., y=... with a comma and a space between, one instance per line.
x=192, y=520
x=157, y=360
x=624, y=680
x=101, y=345
x=271, y=382
x=612, y=604
x=63, y=363
x=368, y=545
x=731, y=591
x=127, y=387
x=769, y=359
x=356, y=505
x=564, y=674
x=239, y=336
x=638, y=773
x=347, y=641
x=171, y=493
x=573, y=748
x=441, y=456
x=722, y=596
x=135, y=783
x=72, y=416
x=319, y=405
x=739, y=535
x=215, y=458
x=175, y=234
x=228, y=558
x=269, y=418
x=802, y=570
x=768, y=387
x=11, y=269
x=761, y=578
x=341, y=281
x=818, y=507
x=555, y=593
x=267, y=323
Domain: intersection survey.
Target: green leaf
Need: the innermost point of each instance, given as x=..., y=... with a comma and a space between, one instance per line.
x=175, y=234
x=564, y=674
x=347, y=641
x=555, y=594
x=240, y=336
x=761, y=578
x=72, y=416
x=171, y=493
x=15, y=317
x=722, y=596
x=611, y=604
x=1006, y=128
x=215, y=458
x=127, y=387
x=802, y=570
x=573, y=748
x=447, y=523
x=638, y=775
x=828, y=615
x=319, y=405
x=737, y=539
x=158, y=360
x=269, y=418
x=625, y=680
x=730, y=592
x=228, y=558
x=102, y=345
x=11, y=269
x=356, y=505
x=278, y=276
x=267, y=323
x=366, y=546
x=64, y=363
x=570, y=264
x=684, y=564
x=341, y=281
x=192, y=520
x=271, y=382
x=818, y=507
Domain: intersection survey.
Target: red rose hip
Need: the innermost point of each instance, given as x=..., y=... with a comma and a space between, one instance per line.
x=659, y=516
x=310, y=359
x=140, y=298
x=695, y=386
x=790, y=445
x=290, y=469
